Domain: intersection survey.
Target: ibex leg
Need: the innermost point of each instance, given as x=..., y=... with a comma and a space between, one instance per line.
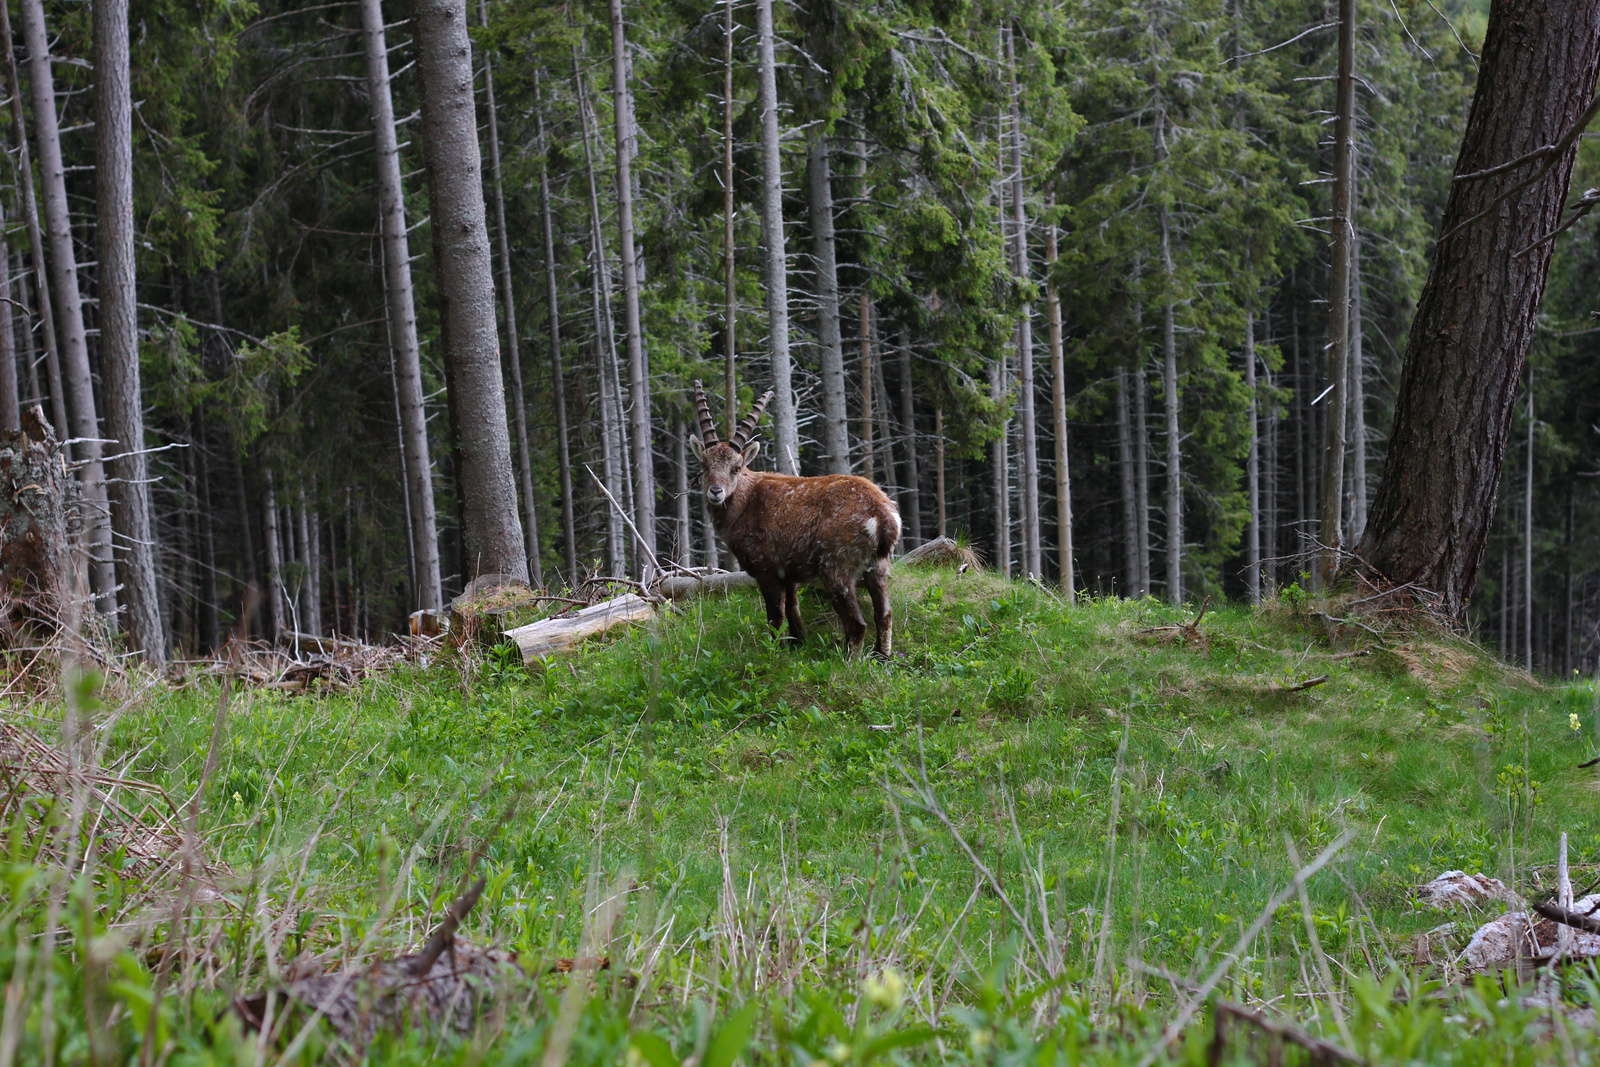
x=791, y=608
x=878, y=589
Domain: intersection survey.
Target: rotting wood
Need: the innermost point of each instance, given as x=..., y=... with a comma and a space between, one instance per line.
x=685, y=587
x=1557, y=914
x=1300, y=687
x=38, y=509
x=942, y=552
x=549, y=636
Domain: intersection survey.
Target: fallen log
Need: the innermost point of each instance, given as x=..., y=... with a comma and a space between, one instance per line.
x=942, y=552
x=563, y=632
x=683, y=586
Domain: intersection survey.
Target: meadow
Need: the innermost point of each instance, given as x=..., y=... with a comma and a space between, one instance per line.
x=1042, y=833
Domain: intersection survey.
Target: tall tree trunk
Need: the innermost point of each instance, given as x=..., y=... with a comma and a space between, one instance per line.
x=1431, y=517
x=1032, y=556
x=306, y=587
x=119, y=333
x=1527, y=538
x=1333, y=442
x=730, y=291
x=1169, y=387
x=1252, y=537
x=1058, y=405
x=81, y=411
x=819, y=185
x=1358, y=402
x=558, y=383
x=999, y=458
x=867, y=470
x=400, y=305
x=1301, y=413
x=612, y=443
x=1130, y=504
x=508, y=304
x=938, y=459
x=912, y=496
x=276, y=610
x=30, y=216
x=210, y=623
x=28, y=351
x=785, y=422
x=1141, y=475
x=643, y=458
x=684, y=537
x=491, y=535
x=10, y=396
x=1270, y=504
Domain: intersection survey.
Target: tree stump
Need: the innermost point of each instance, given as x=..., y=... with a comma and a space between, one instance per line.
x=38, y=514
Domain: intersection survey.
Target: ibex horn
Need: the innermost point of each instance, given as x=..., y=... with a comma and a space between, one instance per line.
x=708, y=425
x=741, y=436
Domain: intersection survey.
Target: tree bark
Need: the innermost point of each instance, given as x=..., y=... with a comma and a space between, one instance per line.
x=119, y=333
x=1358, y=401
x=1000, y=459
x=1435, y=503
x=1141, y=475
x=1032, y=556
x=730, y=291
x=1333, y=442
x=508, y=304
x=79, y=388
x=1169, y=388
x=1527, y=539
x=400, y=304
x=275, y=591
x=684, y=538
x=1252, y=536
x=912, y=496
x=491, y=535
x=1130, y=520
x=784, y=419
x=10, y=394
x=867, y=470
x=612, y=444
x=1058, y=404
x=819, y=184
x=30, y=215
x=938, y=460
x=643, y=459
x=569, y=530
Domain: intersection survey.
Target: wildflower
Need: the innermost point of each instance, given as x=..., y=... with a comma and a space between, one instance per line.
x=886, y=989
x=1572, y=721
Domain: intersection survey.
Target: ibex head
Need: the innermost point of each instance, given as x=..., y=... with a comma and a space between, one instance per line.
x=723, y=463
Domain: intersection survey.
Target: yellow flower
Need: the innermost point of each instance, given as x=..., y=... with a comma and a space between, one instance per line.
x=1572, y=721
x=886, y=989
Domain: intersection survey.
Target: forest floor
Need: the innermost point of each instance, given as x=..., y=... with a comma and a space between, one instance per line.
x=1030, y=837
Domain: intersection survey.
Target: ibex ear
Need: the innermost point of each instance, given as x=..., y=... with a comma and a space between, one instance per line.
x=697, y=448
x=751, y=451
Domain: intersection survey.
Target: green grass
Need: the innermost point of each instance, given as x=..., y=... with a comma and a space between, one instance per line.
x=792, y=822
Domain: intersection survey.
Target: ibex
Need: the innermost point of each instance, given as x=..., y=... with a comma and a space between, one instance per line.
x=833, y=530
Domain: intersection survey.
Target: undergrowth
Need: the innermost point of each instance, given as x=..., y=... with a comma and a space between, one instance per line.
x=1030, y=837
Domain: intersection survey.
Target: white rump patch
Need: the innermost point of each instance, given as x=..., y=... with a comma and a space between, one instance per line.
x=871, y=526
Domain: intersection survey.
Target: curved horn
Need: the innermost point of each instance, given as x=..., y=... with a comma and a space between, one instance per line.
x=708, y=425
x=741, y=436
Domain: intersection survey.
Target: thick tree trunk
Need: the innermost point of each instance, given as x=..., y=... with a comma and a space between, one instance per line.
x=10, y=395
x=400, y=303
x=491, y=535
x=558, y=383
x=1441, y=475
x=1527, y=539
x=81, y=409
x=643, y=458
x=36, y=561
x=911, y=498
x=785, y=422
x=1252, y=463
x=30, y=215
x=508, y=305
x=1333, y=442
x=1032, y=555
x=1058, y=405
x=819, y=184
x=119, y=333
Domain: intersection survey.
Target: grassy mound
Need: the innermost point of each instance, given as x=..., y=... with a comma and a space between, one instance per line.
x=1032, y=834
